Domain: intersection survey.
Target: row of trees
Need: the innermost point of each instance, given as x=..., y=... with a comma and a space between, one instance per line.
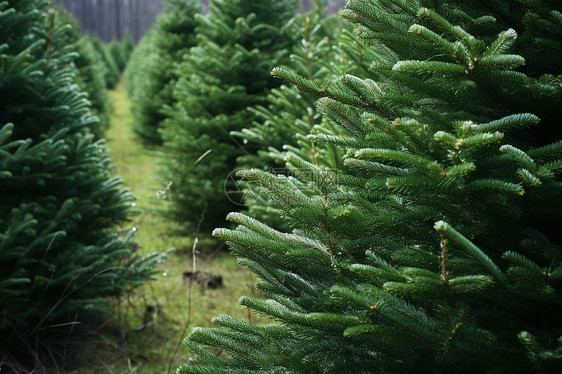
x=60, y=251
x=191, y=81
x=431, y=242
x=113, y=19
x=415, y=226
x=198, y=83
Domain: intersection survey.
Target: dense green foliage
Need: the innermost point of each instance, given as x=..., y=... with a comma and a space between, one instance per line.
x=128, y=46
x=110, y=69
x=121, y=51
x=239, y=41
x=91, y=79
x=151, y=74
x=60, y=253
x=91, y=69
x=436, y=247
x=287, y=116
x=117, y=51
x=327, y=50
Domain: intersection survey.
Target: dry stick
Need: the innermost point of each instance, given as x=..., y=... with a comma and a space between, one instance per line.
x=193, y=252
x=72, y=324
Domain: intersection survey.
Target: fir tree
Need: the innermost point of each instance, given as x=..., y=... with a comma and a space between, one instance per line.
x=128, y=46
x=326, y=51
x=289, y=116
x=151, y=75
x=437, y=248
x=60, y=253
x=111, y=71
x=239, y=41
x=121, y=51
x=117, y=50
x=91, y=70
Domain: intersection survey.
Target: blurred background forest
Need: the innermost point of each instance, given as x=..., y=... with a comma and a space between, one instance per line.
x=112, y=19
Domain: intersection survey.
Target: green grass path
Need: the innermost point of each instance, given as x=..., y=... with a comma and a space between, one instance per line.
x=136, y=164
x=133, y=162
x=126, y=347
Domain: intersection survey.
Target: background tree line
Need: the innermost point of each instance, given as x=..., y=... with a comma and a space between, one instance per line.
x=111, y=19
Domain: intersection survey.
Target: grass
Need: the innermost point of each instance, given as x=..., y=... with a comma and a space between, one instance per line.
x=148, y=325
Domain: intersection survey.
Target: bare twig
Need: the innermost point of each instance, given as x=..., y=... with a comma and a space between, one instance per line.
x=187, y=323
x=72, y=324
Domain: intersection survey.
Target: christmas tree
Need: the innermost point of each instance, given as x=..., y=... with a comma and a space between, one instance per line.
x=437, y=247
x=91, y=69
x=289, y=117
x=111, y=71
x=239, y=41
x=151, y=75
x=327, y=50
x=119, y=52
x=60, y=254
x=128, y=45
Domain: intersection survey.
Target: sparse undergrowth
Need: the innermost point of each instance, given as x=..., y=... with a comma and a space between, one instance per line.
x=147, y=327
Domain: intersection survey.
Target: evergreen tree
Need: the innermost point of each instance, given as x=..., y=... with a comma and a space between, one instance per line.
x=60, y=253
x=117, y=50
x=289, y=117
x=437, y=249
x=111, y=71
x=128, y=45
x=151, y=75
x=239, y=41
x=121, y=51
x=91, y=79
x=326, y=51
x=91, y=71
